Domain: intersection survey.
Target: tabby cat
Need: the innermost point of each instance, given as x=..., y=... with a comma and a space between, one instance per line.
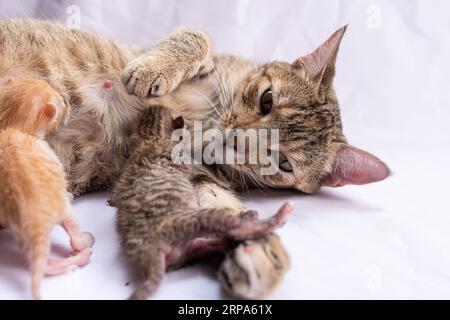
x=181, y=72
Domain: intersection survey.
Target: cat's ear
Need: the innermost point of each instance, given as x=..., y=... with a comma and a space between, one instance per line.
x=319, y=65
x=355, y=166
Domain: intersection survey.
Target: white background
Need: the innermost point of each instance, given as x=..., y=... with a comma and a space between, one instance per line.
x=387, y=240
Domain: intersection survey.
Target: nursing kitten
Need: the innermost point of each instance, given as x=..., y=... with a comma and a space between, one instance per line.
x=159, y=218
x=33, y=189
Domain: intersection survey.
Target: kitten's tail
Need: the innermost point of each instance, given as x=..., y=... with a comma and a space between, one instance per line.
x=39, y=253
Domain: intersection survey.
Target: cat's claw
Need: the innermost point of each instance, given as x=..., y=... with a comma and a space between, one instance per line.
x=182, y=56
x=145, y=77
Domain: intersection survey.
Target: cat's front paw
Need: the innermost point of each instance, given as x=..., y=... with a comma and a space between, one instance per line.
x=186, y=53
x=146, y=78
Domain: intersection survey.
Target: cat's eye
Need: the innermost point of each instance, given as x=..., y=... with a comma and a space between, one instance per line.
x=266, y=102
x=284, y=163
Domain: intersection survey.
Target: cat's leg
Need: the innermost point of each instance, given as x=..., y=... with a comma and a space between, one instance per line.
x=184, y=54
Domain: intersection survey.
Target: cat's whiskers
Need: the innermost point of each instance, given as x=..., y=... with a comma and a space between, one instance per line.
x=228, y=86
x=206, y=99
x=223, y=85
x=220, y=90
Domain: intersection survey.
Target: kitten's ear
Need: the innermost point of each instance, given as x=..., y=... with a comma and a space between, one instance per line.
x=49, y=111
x=320, y=64
x=178, y=123
x=355, y=166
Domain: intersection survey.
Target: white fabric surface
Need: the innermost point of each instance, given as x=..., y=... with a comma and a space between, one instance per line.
x=387, y=240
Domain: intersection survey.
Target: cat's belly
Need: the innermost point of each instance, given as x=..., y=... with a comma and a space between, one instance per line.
x=93, y=144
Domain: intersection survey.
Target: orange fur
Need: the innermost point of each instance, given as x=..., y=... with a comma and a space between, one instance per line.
x=31, y=106
x=33, y=196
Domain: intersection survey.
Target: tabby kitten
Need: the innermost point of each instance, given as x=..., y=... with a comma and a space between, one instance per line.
x=160, y=221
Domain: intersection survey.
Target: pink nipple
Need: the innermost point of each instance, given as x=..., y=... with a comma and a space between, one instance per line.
x=107, y=84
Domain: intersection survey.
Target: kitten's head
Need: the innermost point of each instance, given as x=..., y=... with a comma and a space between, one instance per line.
x=299, y=100
x=158, y=124
x=30, y=105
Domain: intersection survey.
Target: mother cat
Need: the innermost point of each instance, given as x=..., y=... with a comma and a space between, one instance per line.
x=107, y=85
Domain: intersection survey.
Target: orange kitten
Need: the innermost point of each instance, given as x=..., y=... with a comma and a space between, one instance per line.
x=33, y=196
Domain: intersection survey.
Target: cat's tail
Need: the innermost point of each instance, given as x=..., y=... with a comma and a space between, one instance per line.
x=38, y=255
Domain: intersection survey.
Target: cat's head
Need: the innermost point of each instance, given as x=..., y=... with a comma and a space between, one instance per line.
x=299, y=99
x=30, y=105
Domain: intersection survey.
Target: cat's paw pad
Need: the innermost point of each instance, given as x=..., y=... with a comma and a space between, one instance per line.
x=146, y=78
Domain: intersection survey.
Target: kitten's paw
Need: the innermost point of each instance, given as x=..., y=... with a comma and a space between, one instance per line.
x=83, y=241
x=280, y=218
x=87, y=239
x=254, y=268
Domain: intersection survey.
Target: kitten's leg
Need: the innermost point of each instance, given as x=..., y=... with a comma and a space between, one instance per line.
x=152, y=274
x=55, y=267
x=221, y=222
x=184, y=54
x=235, y=279
x=210, y=195
x=81, y=243
x=79, y=240
x=202, y=247
x=256, y=229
